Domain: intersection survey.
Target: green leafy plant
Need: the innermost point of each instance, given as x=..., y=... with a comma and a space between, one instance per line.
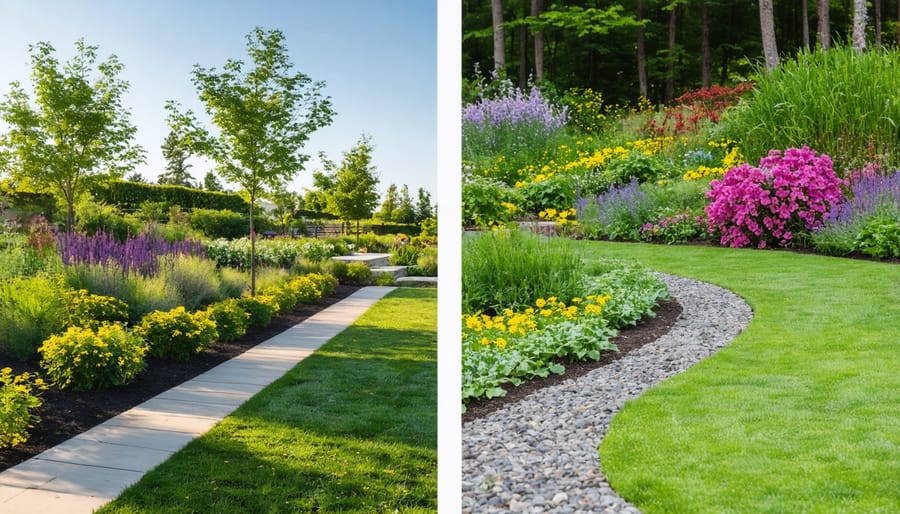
x=194, y=278
x=18, y=399
x=85, y=359
x=404, y=255
x=177, y=334
x=358, y=274
x=91, y=310
x=879, y=235
x=231, y=319
x=31, y=308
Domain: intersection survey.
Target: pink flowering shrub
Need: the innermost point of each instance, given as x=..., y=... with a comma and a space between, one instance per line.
x=770, y=204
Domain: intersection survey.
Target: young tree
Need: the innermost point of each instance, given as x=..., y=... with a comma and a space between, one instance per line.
x=211, y=182
x=355, y=181
x=77, y=129
x=643, y=88
x=424, y=208
x=406, y=211
x=389, y=205
x=767, y=25
x=264, y=114
x=176, y=156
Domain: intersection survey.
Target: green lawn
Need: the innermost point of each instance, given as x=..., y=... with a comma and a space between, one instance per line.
x=352, y=428
x=801, y=413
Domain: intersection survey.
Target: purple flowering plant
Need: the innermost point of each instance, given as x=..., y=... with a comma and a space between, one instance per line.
x=139, y=253
x=787, y=194
x=508, y=119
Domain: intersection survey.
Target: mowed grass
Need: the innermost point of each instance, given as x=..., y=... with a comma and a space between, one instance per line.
x=352, y=428
x=801, y=413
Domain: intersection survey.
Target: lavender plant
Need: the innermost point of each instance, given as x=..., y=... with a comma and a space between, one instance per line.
x=617, y=214
x=867, y=221
x=139, y=254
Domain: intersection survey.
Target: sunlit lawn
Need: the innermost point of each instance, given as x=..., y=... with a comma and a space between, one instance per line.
x=801, y=413
x=352, y=428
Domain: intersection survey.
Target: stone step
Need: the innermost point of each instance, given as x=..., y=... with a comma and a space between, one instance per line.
x=372, y=260
x=394, y=271
x=417, y=281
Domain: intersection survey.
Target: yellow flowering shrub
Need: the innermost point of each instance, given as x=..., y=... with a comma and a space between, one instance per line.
x=177, y=334
x=18, y=399
x=87, y=359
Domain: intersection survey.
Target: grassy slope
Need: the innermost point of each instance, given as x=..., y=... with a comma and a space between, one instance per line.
x=801, y=413
x=352, y=428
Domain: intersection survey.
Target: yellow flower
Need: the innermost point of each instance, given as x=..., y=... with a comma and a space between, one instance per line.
x=500, y=343
x=540, y=302
x=484, y=341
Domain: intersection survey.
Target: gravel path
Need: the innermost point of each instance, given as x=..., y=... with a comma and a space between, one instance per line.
x=540, y=454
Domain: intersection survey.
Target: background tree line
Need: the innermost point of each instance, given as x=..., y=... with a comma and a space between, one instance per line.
x=658, y=48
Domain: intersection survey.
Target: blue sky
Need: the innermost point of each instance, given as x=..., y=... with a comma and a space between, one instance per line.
x=377, y=58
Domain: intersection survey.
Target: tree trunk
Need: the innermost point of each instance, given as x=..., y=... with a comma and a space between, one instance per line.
x=523, y=56
x=804, y=15
x=859, y=25
x=704, y=45
x=877, y=4
x=897, y=35
x=824, y=24
x=641, y=53
x=537, y=7
x=767, y=27
x=499, y=36
x=670, y=62
x=252, y=248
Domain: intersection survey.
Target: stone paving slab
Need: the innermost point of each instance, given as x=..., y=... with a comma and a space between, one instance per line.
x=87, y=471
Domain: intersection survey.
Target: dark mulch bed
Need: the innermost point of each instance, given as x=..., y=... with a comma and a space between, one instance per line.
x=68, y=413
x=648, y=330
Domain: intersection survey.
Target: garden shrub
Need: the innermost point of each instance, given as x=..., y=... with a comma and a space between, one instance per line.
x=487, y=202
x=85, y=359
x=358, y=274
x=879, y=235
x=261, y=309
x=509, y=269
x=31, y=308
x=285, y=296
x=404, y=255
x=232, y=282
x=426, y=264
x=216, y=224
x=556, y=192
x=324, y=283
x=231, y=319
x=675, y=228
x=195, y=279
x=91, y=310
x=18, y=400
x=94, y=218
x=788, y=194
x=177, y=334
x=339, y=269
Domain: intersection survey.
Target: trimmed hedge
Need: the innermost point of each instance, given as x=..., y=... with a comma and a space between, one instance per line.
x=130, y=195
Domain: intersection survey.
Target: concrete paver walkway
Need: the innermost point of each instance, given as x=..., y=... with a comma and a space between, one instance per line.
x=89, y=470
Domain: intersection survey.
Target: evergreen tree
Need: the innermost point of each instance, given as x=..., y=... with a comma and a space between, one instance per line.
x=176, y=156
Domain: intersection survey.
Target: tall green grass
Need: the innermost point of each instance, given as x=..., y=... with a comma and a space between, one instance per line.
x=511, y=268
x=840, y=102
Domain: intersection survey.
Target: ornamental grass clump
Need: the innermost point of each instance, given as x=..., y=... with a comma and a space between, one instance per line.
x=788, y=194
x=85, y=359
x=18, y=400
x=508, y=269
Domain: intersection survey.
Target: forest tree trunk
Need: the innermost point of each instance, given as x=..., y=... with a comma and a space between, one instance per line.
x=824, y=24
x=499, y=36
x=537, y=7
x=670, y=62
x=641, y=53
x=767, y=27
x=704, y=45
x=859, y=25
